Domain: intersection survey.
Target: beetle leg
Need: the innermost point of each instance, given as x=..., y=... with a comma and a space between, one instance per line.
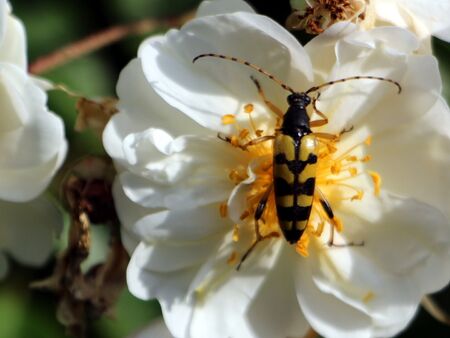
x=326, y=136
x=247, y=144
x=324, y=119
x=333, y=137
x=256, y=141
x=258, y=214
x=333, y=222
x=268, y=103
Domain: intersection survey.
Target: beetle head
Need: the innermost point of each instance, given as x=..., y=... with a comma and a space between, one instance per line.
x=299, y=99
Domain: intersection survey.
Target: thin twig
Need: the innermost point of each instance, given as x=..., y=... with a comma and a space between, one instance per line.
x=101, y=39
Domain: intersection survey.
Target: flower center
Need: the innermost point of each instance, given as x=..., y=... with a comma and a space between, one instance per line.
x=338, y=171
x=321, y=14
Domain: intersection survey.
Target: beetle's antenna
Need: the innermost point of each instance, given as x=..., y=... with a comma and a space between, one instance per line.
x=315, y=88
x=246, y=63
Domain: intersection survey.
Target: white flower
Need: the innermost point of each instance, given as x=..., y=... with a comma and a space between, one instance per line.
x=32, y=148
x=422, y=17
x=186, y=198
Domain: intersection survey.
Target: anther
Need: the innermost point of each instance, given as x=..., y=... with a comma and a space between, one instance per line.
x=223, y=209
x=228, y=119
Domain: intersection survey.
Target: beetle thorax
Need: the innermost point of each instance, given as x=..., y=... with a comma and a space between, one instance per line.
x=296, y=119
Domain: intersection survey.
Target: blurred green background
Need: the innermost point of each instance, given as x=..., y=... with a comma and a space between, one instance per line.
x=52, y=24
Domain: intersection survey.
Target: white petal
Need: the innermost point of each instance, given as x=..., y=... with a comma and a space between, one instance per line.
x=274, y=311
x=168, y=257
x=224, y=296
x=169, y=288
x=24, y=184
x=216, y=7
x=27, y=230
x=183, y=225
x=433, y=15
x=180, y=174
x=184, y=196
x=128, y=213
x=404, y=256
x=136, y=96
x=12, y=38
x=32, y=143
x=376, y=104
x=421, y=144
x=329, y=316
x=35, y=144
x=145, y=284
x=209, y=89
x=321, y=49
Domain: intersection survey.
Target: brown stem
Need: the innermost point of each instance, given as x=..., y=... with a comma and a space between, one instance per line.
x=101, y=39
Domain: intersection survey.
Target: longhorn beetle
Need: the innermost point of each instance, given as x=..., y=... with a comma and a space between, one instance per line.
x=294, y=159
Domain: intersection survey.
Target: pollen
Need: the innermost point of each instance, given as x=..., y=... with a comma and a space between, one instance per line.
x=228, y=119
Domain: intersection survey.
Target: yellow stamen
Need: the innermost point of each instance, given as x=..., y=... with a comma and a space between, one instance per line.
x=376, y=178
x=331, y=148
x=353, y=171
x=235, y=235
x=244, y=215
x=368, y=140
x=234, y=141
x=359, y=196
x=232, y=260
x=259, y=132
x=302, y=245
x=366, y=158
x=223, y=209
x=248, y=108
x=228, y=119
x=236, y=177
x=244, y=133
x=336, y=168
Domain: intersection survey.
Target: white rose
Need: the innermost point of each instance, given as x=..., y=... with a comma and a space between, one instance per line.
x=183, y=194
x=32, y=148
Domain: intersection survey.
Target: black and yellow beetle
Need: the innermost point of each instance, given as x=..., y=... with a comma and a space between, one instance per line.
x=295, y=157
